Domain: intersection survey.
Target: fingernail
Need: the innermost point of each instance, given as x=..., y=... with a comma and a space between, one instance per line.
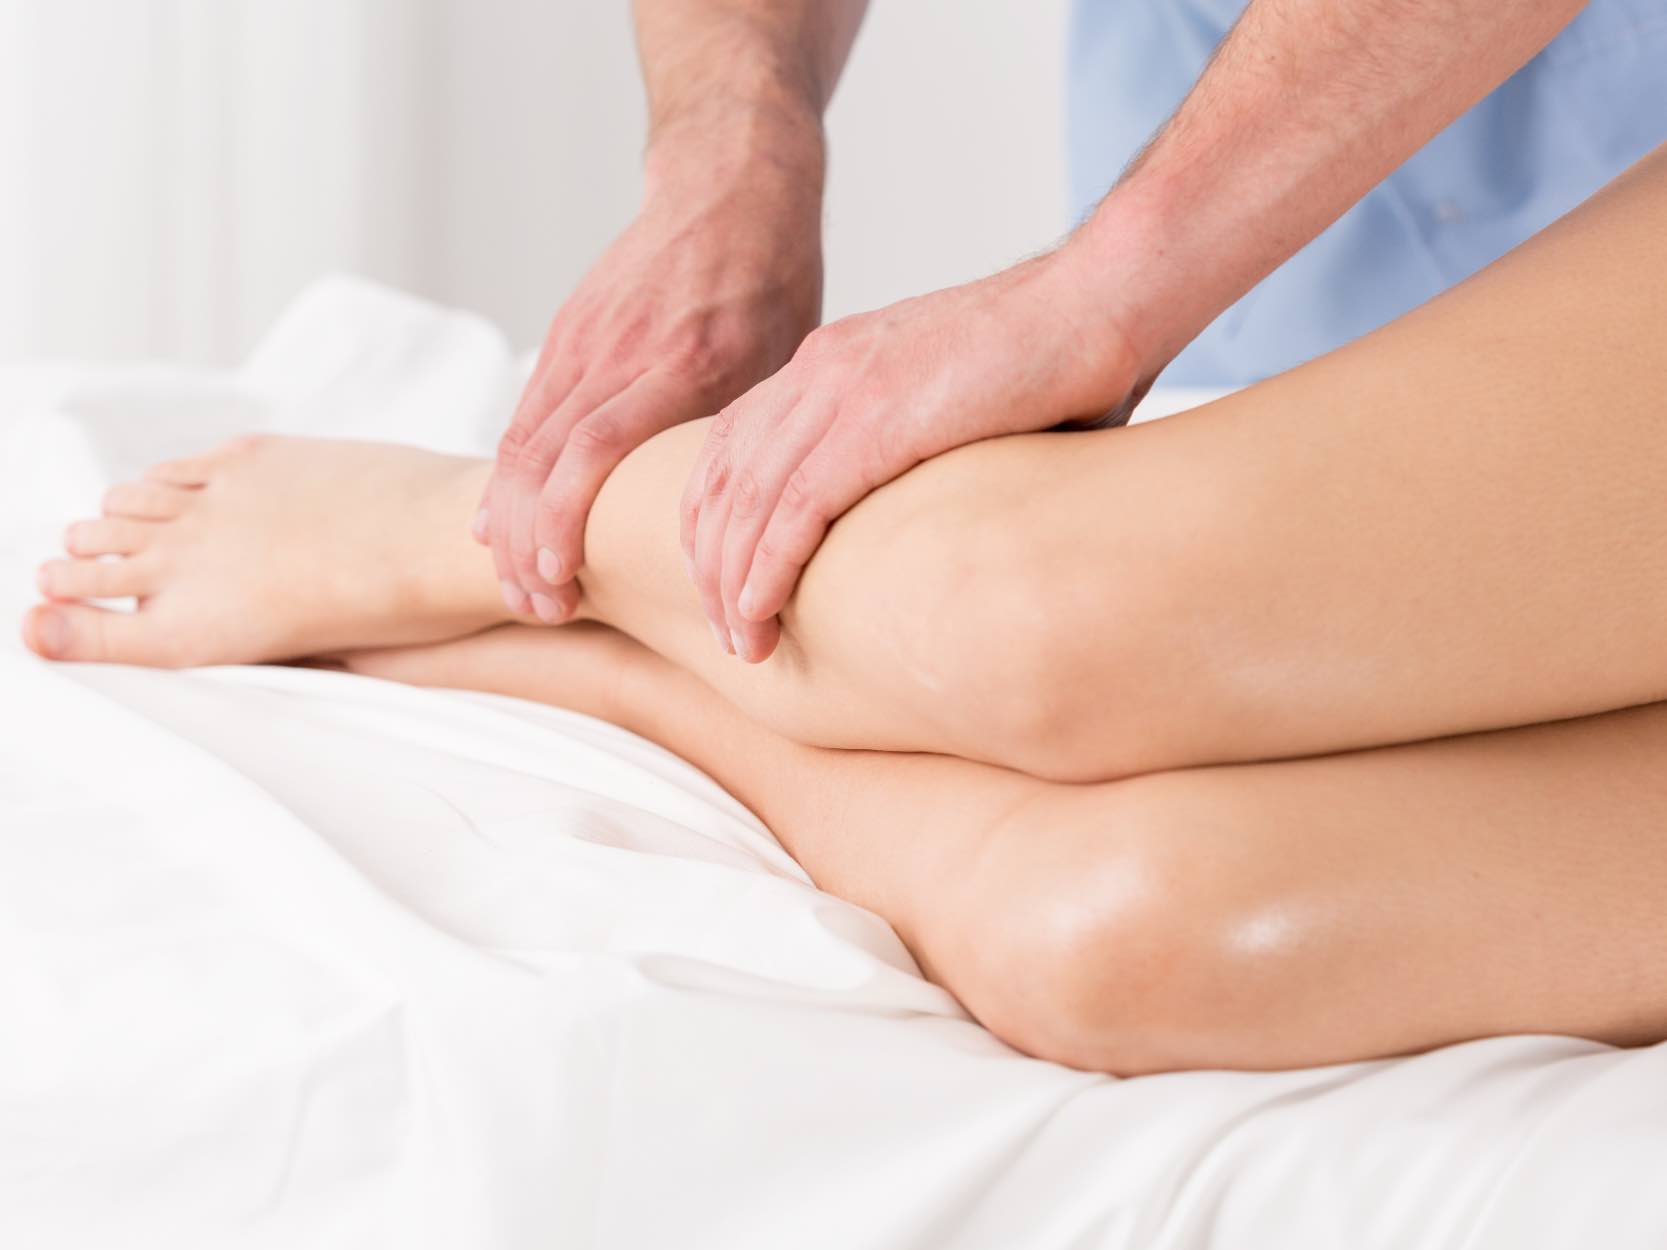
x=719, y=635
x=547, y=609
x=51, y=633
x=736, y=641
x=549, y=565
x=478, y=529
x=689, y=564
x=41, y=583
x=747, y=604
x=514, y=599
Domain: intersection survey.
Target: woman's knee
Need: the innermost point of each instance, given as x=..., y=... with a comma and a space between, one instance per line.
x=1142, y=927
x=1038, y=603
x=1041, y=648
x=914, y=604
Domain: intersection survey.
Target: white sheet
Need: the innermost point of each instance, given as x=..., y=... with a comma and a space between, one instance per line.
x=299, y=959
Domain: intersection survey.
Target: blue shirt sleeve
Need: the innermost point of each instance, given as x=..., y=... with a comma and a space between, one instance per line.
x=1593, y=102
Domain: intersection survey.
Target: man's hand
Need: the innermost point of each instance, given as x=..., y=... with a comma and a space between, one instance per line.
x=707, y=292
x=1306, y=106
x=867, y=398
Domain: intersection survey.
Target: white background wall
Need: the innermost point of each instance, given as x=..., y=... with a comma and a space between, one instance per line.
x=173, y=171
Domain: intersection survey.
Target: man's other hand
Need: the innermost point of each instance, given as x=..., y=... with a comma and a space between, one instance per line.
x=865, y=399
x=709, y=290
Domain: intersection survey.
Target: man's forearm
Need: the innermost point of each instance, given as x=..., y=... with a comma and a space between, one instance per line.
x=749, y=79
x=1306, y=106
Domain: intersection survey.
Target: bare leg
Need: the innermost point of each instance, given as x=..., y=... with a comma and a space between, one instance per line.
x=1455, y=524
x=1250, y=916
x=1458, y=523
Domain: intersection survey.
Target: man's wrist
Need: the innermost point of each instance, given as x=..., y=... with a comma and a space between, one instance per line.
x=1154, y=279
x=1118, y=278
x=774, y=150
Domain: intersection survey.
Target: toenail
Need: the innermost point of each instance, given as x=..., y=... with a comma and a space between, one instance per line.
x=52, y=633
x=549, y=565
x=514, y=599
x=43, y=580
x=548, y=610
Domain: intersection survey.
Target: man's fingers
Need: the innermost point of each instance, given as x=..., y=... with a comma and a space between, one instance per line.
x=554, y=377
x=497, y=507
x=527, y=479
x=704, y=512
x=755, y=488
x=757, y=639
x=708, y=554
x=554, y=604
x=789, y=540
x=838, y=472
x=593, y=449
x=694, y=489
x=548, y=388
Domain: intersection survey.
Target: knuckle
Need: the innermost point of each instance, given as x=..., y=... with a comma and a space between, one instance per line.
x=724, y=424
x=526, y=468
x=581, y=339
x=693, y=491
x=785, y=548
x=823, y=341
x=597, y=435
x=717, y=477
x=747, y=495
x=889, y=448
x=703, y=356
x=527, y=464
x=513, y=443
x=532, y=466
x=769, y=550
x=800, y=497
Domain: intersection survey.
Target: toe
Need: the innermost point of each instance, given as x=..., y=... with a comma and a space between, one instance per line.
x=146, y=501
x=189, y=471
x=64, y=631
x=108, y=536
x=94, y=579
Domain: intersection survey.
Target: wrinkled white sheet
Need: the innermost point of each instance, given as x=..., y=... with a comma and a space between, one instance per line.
x=301, y=959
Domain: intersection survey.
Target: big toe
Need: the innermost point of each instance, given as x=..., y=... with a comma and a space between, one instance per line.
x=67, y=631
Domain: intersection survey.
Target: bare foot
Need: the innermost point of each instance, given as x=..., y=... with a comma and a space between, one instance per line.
x=269, y=549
